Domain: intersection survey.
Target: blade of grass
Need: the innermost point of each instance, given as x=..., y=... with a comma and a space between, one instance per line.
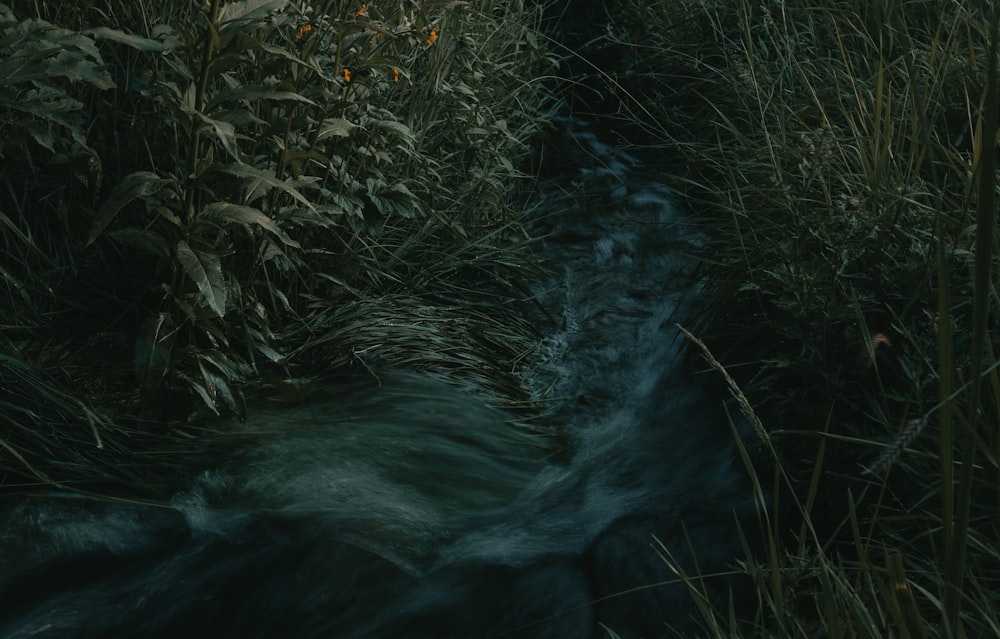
x=985, y=223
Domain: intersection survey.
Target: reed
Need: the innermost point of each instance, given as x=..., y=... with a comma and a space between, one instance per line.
x=841, y=156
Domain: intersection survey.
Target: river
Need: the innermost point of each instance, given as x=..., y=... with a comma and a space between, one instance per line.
x=417, y=509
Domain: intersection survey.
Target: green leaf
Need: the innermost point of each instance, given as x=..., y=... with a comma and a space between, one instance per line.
x=226, y=212
x=143, y=239
x=71, y=66
x=400, y=130
x=339, y=127
x=201, y=391
x=283, y=53
x=298, y=160
x=153, y=347
x=205, y=270
x=269, y=353
x=48, y=104
x=225, y=132
x=343, y=203
x=224, y=364
x=389, y=199
x=611, y=633
x=41, y=133
x=37, y=39
x=320, y=216
x=223, y=387
x=133, y=186
x=248, y=9
x=217, y=385
x=257, y=92
x=134, y=41
x=256, y=177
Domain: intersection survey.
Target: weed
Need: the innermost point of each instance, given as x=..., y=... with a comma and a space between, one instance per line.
x=840, y=155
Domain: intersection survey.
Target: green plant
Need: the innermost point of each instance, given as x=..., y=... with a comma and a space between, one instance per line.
x=231, y=195
x=843, y=175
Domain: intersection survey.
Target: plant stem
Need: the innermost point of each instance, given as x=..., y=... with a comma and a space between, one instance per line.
x=985, y=223
x=199, y=102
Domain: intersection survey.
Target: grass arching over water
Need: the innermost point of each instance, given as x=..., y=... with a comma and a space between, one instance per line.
x=205, y=202
x=198, y=201
x=842, y=157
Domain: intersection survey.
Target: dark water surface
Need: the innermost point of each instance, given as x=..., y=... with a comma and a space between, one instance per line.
x=419, y=510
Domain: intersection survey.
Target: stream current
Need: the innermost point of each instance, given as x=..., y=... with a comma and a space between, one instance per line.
x=418, y=510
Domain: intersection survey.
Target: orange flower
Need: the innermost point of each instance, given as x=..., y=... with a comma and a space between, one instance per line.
x=303, y=32
x=347, y=74
x=395, y=75
x=432, y=37
x=867, y=357
x=880, y=339
x=360, y=12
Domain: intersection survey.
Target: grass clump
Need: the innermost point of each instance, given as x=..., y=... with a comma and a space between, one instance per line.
x=200, y=200
x=841, y=156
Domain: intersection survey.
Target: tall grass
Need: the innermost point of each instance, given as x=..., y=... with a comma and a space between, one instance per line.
x=203, y=199
x=841, y=156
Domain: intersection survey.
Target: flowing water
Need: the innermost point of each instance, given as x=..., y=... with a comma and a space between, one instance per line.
x=417, y=509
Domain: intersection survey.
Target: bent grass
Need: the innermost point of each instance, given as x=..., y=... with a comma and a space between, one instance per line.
x=841, y=156
x=203, y=201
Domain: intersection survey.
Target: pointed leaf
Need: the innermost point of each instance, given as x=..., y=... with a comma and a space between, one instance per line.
x=255, y=92
x=269, y=353
x=205, y=270
x=225, y=391
x=226, y=134
x=284, y=54
x=265, y=177
x=400, y=130
x=217, y=385
x=226, y=212
x=248, y=9
x=48, y=104
x=223, y=363
x=394, y=198
x=134, y=41
x=71, y=66
x=206, y=396
x=340, y=127
x=143, y=239
x=153, y=348
x=132, y=187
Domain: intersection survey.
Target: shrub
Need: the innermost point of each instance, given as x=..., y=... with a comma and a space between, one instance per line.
x=210, y=197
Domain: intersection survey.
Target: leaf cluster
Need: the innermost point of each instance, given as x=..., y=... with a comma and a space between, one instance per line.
x=199, y=199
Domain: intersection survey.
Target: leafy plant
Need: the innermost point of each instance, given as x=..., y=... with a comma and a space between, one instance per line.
x=223, y=195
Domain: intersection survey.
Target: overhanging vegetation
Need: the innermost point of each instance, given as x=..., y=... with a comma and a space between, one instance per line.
x=841, y=155
x=206, y=202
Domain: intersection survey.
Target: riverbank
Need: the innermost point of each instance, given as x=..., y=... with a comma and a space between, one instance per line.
x=835, y=154
x=207, y=206
x=213, y=205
